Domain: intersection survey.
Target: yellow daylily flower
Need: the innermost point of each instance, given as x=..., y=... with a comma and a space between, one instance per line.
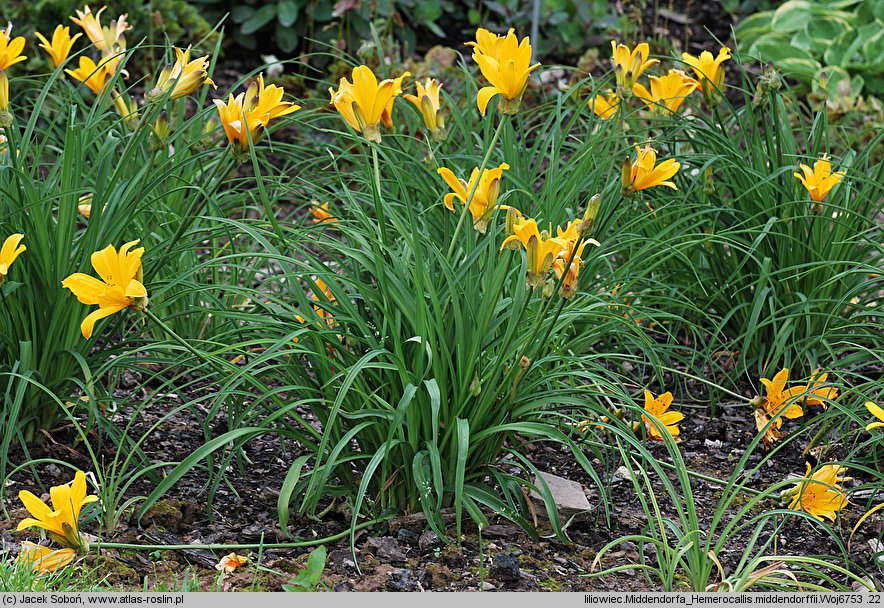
x=428, y=102
x=321, y=213
x=772, y=434
x=641, y=173
x=60, y=521
x=484, y=199
x=605, y=106
x=60, y=46
x=667, y=92
x=709, y=72
x=93, y=76
x=505, y=62
x=572, y=237
x=877, y=412
x=819, y=180
x=541, y=248
x=821, y=496
x=629, y=64
x=658, y=407
x=257, y=107
x=10, y=49
x=366, y=102
x=183, y=77
x=11, y=249
x=44, y=559
x=120, y=285
x=781, y=399
x=231, y=562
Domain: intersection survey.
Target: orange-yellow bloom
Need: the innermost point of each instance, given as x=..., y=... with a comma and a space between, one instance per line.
x=629, y=64
x=257, y=107
x=120, y=285
x=821, y=496
x=428, y=102
x=877, y=412
x=641, y=173
x=93, y=76
x=771, y=434
x=231, y=562
x=574, y=242
x=542, y=249
x=658, y=407
x=484, y=199
x=505, y=62
x=667, y=92
x=709, y=71
x=44, y=559
x=10, y=49
x=819, y=180
x=781, y=399
x=109, y=40
x=59, y=521
x=60, y=46
x=605, y=106
x=366, y=102
x=11, y=249
x=183, y=77
x=321, y=213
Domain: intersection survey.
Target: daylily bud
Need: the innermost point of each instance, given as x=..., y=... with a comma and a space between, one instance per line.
x=429, y=113
x=5, y=115
x=626, y=177
x=524, y=362
x=370, y=132
x=160, y=132
x=532, y=252
x=708, y=181
x=592, y=211
x=549, y=287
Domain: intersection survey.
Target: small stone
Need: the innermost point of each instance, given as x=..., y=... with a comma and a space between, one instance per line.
x=713, y=444
x=408, y=537
x=486, y=586
x=438, y=574
x=505, y=568
x=502, y=531
x=622, y=473
x=428, y=541
x=403, y=580
x=567, y=494
x=385, y=548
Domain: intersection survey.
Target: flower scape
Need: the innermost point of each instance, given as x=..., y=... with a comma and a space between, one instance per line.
x=275, y=330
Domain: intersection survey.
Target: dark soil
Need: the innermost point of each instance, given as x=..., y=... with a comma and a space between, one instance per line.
x=402, y=554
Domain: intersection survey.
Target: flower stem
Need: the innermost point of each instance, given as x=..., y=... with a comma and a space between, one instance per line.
x=98, y=545
x=475, y=187
x=378, y=207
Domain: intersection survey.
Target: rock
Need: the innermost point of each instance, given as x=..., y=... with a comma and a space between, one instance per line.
x=403, y=580
x=385, y=548
x=408, y=537
x=341, y=561
x=623, y=473
x=568, y=496
x=713, y=444
x=505, y=568
x=502, y=531
x=486, y=586
x=439, y=575
x=428, y=541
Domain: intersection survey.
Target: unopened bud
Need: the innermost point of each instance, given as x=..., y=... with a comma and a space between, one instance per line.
x=592, y=211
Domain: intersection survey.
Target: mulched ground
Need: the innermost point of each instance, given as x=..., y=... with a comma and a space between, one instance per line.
x=402, y=555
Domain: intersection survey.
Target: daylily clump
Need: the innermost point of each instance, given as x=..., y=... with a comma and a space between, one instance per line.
x=819, y=180
x=484, y=194
x=365, y=103
x=62, y=519
x=644, y=173
x=658, y=407
x=505, y=62
x=120, y=285
x=821, y=495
